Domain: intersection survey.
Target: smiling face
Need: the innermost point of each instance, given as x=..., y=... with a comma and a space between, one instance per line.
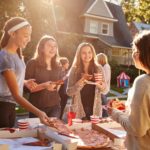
x=22, y=36
x=86, y=54
x=50, y=48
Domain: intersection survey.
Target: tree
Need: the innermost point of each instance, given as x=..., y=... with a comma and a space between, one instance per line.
x=41, y=18
x=136, y=10
x=9, y=8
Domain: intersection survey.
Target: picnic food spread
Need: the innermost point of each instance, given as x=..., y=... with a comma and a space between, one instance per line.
x=86, y=138
x=91, y=139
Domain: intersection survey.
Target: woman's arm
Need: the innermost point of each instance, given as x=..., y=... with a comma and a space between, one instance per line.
x=34, y=87
x=137, y=122
x=73, y=85
x=101, y=82
x=30, y=81
x=11, y=81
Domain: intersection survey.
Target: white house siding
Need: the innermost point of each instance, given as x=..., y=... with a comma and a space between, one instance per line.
x=100, y=22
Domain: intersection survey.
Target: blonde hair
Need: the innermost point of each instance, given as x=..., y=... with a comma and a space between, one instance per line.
x=102, y=58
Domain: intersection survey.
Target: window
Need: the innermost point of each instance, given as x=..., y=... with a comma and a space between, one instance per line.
x=105, y=28
x=93, y=27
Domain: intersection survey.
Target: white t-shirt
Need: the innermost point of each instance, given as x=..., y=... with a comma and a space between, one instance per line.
x=107, y=71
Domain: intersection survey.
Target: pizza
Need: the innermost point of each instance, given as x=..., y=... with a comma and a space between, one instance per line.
x=59, y=126
x=91, y=139
x=37, y=143
x=115, y=103
x=86, y=138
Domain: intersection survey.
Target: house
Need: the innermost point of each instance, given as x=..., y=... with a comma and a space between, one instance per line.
x=136, y=27
x=99, y=22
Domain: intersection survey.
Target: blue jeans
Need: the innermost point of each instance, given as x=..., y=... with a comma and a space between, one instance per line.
x=53, y=111
x=104, y=102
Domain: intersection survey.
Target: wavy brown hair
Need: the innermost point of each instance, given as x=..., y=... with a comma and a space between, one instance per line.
x=39, y=55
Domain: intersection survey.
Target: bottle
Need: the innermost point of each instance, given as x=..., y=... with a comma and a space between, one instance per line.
x=70, y=115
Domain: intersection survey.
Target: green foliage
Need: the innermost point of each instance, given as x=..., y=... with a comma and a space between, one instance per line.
x=137, y=10
x=40, y=15
x=8, y=9
x=115, y=88
x=68, y=44
x=116, y=69
x=20, y=110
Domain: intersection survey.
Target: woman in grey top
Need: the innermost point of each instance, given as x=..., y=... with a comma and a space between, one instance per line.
x=136, y=121
x=17, y=32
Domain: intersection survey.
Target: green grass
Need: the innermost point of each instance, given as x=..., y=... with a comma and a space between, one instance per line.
x=110, y=94
x=20, y=110
x=118, y=89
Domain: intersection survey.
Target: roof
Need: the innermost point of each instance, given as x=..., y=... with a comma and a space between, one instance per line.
x=141, y=26
x=123, y=75
x=99, y=8
x=121, y=32
x=72, y=22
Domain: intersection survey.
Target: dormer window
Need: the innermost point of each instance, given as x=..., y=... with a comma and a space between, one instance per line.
x=93, y=27
x=105, y=28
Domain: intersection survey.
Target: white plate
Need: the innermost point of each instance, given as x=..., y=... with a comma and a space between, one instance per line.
x=90, y=82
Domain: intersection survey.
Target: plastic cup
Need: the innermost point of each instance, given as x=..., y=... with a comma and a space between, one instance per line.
x=23, y=124
x=95, y=119
x=70, y=116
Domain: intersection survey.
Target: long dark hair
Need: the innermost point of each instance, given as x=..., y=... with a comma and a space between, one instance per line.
x=78, y=62
x=5, y=36
x=39, y=55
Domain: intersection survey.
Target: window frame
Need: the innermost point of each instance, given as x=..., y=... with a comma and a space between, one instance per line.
x=102, y=28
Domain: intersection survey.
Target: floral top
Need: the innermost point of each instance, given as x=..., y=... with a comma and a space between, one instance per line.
x=73, y=89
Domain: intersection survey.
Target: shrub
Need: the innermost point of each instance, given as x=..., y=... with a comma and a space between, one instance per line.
x=116, y=69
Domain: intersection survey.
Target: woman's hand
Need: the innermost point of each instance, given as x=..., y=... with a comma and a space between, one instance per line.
x=30, y=84
x=101, y=85
x=44, y=118
x=81, y=82
x=99, y=80
x=51, y=86
x=109, y=110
